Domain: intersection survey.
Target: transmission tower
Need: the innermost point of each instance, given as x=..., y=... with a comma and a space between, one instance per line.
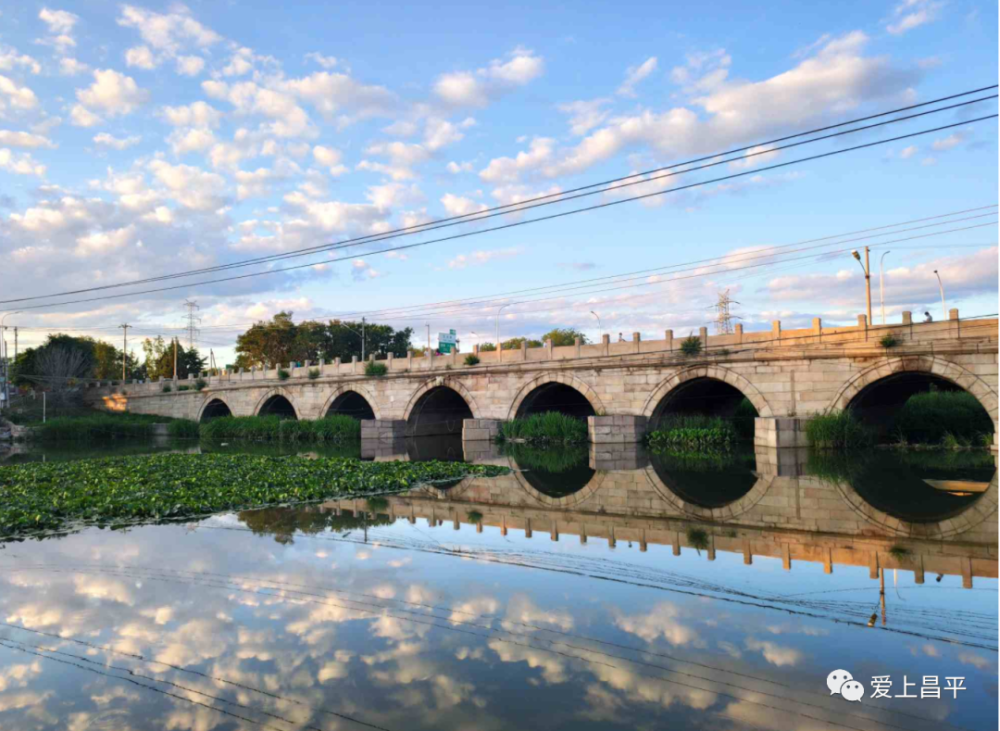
x=193, y=320
x=723, y=317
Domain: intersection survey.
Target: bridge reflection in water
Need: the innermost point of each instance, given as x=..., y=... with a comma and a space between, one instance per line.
x=917, y=512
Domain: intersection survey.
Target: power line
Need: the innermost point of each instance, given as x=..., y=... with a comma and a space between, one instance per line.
x=540, y=201
x=528, y=221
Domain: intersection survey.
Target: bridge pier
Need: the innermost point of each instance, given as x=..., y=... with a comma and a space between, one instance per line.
x=383, y=429
x=780, y=432
x=480, y=430
x=616, y=429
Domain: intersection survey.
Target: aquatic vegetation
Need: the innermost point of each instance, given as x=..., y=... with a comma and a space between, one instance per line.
x=53, y=495
x=103, y=425
x=550, y=426
x=719, y=437
x=698, y=538
x=335, y=427
x=900, y=553
x=838, y=429
x=474, y=516
x=530, y=457
x=184, y=428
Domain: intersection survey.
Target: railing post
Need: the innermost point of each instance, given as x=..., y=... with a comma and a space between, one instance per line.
x=606, y=342
x=703, y=334
x=636, y=337
x=776, y=329
x=739, y=333
x=669, y=337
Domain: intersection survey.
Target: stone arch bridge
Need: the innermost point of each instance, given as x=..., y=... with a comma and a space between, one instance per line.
x=787, y=376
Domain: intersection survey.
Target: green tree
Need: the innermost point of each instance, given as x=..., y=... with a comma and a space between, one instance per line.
x=564, y=336
x=189, y=362
x=487, y=347
x=515, y=343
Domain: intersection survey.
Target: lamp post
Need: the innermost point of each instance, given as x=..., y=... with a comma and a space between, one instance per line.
x=944, y=312
x=600, y=327
x=866, y=268
x=881, y=285
x=3, y=357
x=499, y=345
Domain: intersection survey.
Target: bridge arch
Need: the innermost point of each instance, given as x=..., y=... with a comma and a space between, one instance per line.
x=213, y=407
x=439, y=406
x=929, y=365
x=668, y=387
x=276, y=400
x=565, y=380
x=705, y=511
x=342, y=396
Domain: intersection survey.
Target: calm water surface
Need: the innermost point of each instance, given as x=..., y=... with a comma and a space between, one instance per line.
x=590, y=591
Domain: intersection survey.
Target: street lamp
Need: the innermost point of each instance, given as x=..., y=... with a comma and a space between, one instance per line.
x=600, y=328
x=881, y=285
x=499, y=346
x=866, y=268
x=944, y=312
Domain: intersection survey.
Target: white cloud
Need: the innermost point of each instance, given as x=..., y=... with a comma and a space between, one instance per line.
x=103, y=242
x=457, y=205
x=113, y=93
x=330, y=158
x=69, y=66
x=118, y=143
x=634, y=75
x=507, y=169
x=141, y=57
x=704, y=71
x=778, y=655
x=197, y=114
x=911, y=14
x=10, y=138
x=339, y=97
x=950, y=142
x=585, y=115
x=477, y=258
x=361, y=271
x=196, y=139
x=477, y=89
x=169, y=32
x=190, y=65
x=190, y=186
x=661, y=621
x=460, y=167
x=19, y=97
x=10, y=58
x=908, y=152
x=22, y=164
x=82, y=117
x=289, y=119
x=327, y=62
x=60, y=25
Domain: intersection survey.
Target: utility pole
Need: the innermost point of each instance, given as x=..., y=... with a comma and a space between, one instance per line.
x=866, y=267
x=175, y=357
x=723, y=318
x=428, y=338
x=15, y=343
x=124, y=326
x=362, y=339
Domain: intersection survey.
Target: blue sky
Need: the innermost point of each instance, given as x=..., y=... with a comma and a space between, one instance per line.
x=139, y=140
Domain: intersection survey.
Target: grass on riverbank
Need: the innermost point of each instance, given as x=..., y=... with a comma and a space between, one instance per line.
x=928, y=418
x=550, y=426
x=336, y=427
x=100, y=425
x=49, y=496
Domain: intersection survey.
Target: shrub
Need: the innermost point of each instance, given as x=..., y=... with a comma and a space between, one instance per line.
x=374, y=369
x=900, y=553
x=549, y=426
x=471, y=360
x=313, y=374
x=199, y=384
x=718, y=437
x=838, y=429
x=691, y=346
x=377, y=504
x=183, y=388
x=166, y=389
x=888, y=341
x=926, y=418
x=698, y=538
x=283, y=375
x=474, y=516
x=184, y=428
x=487, y=347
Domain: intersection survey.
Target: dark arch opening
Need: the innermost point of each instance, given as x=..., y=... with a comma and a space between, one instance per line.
x=439, y=411
x=921, y=407
x=556, y=397
x=214, y=409
x=351, y=403
x=556, y=473
x=278, y=406
x=705, y=397
x=711, y=480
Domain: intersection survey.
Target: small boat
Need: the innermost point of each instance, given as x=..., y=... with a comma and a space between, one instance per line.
x=959, y=488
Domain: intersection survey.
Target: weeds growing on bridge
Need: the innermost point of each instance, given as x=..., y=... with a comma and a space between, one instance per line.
x=550, y=426
x=375, y=370
x=117, y=491
x=335, y=427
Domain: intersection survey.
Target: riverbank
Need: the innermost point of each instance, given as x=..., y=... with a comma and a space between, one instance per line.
x=51, y=496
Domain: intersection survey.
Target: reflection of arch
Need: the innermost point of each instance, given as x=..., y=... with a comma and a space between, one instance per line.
x=929, y=364
x=568, y=501
x=985, y=507
x=211, y=405
x=453, y=384
x=718, y=373
x=727, y=512
x=565, y=379
x=362, y=391
x=271, y=393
